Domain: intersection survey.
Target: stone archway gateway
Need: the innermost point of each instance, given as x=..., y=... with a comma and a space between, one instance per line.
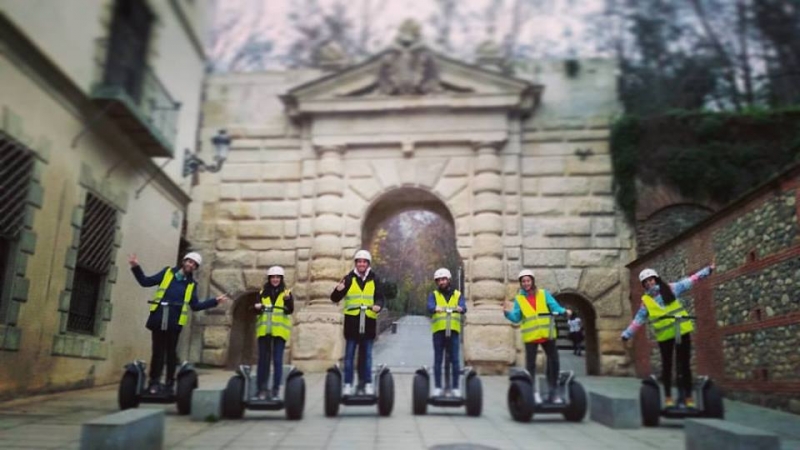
x=521, y=166
x=410, y=233
x=588, y=316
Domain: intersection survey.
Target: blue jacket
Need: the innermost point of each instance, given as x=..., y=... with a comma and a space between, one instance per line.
x=515, y=315
x=173, y=295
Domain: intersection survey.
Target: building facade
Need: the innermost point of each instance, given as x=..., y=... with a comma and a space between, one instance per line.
x=520, y=166
x=747, y=313
x=98, y=100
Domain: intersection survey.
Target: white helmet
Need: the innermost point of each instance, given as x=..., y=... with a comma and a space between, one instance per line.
x=194, y=256
x=525, y=273
x=362, y=254
x=275, y=270
x=647, y=273
x=442, y=273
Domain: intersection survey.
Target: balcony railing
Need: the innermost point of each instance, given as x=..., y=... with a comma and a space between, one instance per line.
x=136, y=100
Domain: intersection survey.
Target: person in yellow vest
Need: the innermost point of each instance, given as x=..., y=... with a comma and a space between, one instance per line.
x=176, y=286
x=359, y=287
x=661, y=298
x=273, y=328
x=533, y=309
x=445, y=296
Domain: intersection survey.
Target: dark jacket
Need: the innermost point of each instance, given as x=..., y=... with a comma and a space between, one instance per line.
x=273, y=292
x=351, y=322
x=173, y=295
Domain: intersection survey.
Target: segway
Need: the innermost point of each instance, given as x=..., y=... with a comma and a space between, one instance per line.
x=526, y=395
x=381, y=379
x=240, y=394
x=132, y=389
x=708, y=396
x=472, y=396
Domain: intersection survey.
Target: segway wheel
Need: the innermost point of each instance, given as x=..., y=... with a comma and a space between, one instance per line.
x=576, y=410
x=186, y=385
x=386, y=397
x=712, y=402
x=650, y=401
x=520, y=401
x=126, y=396
x=474, y=396
x=333, y=394
x=420, y=391
x=232, y=403
x=295, y=397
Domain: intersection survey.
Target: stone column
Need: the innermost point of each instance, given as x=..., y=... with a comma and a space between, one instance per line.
x=318, y=341
x=488, y=338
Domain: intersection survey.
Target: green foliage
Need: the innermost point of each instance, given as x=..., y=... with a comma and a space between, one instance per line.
x=706, y=156
x=406, y=249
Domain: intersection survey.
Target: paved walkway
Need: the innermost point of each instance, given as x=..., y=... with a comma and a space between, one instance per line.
x=54, y=421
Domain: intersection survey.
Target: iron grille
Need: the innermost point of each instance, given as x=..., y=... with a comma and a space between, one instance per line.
x=16, y=171
x=97, y=235
x=94, y=259
x=5, y=255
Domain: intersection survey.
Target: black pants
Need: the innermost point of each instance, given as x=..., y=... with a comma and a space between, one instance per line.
x=576, y=337
x=683, y=368
x=165, y=343
x=552, y=365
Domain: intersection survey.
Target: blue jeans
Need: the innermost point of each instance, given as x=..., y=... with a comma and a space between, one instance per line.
x=270, y=347
x=364, y=360
x=452, y=344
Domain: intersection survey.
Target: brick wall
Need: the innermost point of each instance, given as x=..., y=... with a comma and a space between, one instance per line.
x=748, y=326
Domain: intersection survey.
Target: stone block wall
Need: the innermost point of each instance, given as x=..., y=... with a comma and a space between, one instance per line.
x=748, y=314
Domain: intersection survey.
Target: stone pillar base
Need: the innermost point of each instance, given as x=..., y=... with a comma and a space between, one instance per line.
x=317, y=340
x=489, y=342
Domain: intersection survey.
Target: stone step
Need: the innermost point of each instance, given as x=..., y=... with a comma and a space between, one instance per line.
x=132, y=429
x=614, y=410
x=207, y=403
x=702, y=434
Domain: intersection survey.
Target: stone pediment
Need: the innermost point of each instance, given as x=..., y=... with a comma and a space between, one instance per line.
x=411, y=79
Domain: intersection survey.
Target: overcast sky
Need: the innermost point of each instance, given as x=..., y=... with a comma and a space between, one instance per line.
x=550, y=28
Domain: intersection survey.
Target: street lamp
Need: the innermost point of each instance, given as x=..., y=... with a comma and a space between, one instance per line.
x=222, y=145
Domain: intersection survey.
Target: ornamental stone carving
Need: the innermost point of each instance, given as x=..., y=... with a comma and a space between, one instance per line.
x=408, y=68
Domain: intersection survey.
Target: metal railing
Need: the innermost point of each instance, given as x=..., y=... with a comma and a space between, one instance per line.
x=125, y=77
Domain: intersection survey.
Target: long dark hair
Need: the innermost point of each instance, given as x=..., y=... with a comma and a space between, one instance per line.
x=269, y=290
x=666, y=292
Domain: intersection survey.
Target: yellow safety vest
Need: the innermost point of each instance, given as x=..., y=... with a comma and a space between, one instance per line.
x=664, y=327
x=536, y=324
x=356, y=297
x=439, y=320
x=162, y=288
x=281, y=323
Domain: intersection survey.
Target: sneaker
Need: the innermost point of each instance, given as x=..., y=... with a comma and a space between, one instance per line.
x=456, y=393
x=262, y=395
x=437, y=392
x=153, y=387
x=537, y=398
x=369, y=389
x=276, y=393
x=669, y=402
x=558, y=400
x=348, y=389
x=690, y=403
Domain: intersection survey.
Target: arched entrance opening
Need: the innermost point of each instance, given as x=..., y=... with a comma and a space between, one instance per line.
x=242, y=348
x=583, y=307
x=411, y=233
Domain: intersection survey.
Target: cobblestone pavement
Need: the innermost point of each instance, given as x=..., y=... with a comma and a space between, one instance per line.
x=54, y=421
